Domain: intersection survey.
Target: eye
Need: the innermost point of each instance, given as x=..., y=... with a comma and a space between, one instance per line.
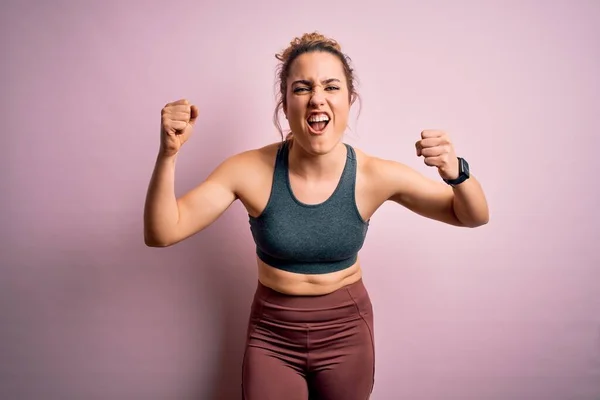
x=299, y=89
x=332, y=88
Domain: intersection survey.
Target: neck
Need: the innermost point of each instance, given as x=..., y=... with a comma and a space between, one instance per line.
x=316, y=166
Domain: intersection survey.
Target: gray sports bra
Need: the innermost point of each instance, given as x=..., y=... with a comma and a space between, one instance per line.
x=307, y=238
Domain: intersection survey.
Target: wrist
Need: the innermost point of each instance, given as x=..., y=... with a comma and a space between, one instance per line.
x=449, y=176
x=166, y=156
x=462, y=175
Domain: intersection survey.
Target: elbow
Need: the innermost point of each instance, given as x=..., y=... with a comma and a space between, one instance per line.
x=153, y=241
x=484, y=218
x=473, y=220
x=477, y=222
x=473, y=217
x=155, y=244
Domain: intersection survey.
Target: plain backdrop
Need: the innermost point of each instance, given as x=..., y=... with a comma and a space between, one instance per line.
x=508, y=311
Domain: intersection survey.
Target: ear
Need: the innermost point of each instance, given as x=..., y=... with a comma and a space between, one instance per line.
x=284, y=108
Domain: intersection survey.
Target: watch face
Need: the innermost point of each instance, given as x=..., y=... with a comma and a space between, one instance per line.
x=464, y=166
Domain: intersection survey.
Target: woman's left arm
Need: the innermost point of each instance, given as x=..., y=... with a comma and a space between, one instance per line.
x=469, y=203
x=463, y=204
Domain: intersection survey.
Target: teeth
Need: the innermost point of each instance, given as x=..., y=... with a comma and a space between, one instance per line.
x=318, y=118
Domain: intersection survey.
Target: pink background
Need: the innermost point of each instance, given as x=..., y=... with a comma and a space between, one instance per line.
x=509, y=311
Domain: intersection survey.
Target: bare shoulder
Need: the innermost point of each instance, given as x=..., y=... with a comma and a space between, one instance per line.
x=370, y=163
x=247, y=164
x=263, y=156
x=250, y=174
x=253, y=157
x=383, y=175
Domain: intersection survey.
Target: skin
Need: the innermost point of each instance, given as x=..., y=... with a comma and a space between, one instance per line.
x=316, y=163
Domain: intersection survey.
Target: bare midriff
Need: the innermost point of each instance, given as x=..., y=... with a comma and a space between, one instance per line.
x=307, y=285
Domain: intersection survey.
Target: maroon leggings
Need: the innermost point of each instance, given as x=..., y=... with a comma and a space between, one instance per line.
x=317, y=347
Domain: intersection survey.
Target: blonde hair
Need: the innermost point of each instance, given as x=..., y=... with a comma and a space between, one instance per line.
x=307, y=43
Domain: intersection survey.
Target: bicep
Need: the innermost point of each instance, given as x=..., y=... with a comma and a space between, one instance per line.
x=424, y=196
x=204, y=204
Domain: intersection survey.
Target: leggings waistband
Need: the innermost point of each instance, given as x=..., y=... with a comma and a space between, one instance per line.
x=348, y=302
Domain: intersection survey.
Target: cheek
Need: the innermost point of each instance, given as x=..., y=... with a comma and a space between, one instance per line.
x=295, y=108
x=341, y=109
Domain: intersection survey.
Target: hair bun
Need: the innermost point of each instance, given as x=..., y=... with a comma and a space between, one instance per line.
x=308, y=39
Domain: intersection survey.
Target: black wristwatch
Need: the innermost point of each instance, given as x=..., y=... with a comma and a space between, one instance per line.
x=463, y=173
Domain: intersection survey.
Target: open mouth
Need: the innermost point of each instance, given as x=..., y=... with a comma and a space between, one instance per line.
x=318, y=122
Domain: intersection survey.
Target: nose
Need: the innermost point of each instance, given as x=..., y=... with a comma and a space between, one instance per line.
x=317, y=99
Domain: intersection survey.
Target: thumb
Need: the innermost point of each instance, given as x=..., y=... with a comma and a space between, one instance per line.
x=193, y=115
x=418, y=148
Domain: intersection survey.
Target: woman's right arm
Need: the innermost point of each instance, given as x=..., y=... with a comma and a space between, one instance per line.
x=167, y=219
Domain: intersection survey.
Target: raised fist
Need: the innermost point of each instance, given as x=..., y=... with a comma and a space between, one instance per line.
x=437, y=151
x=177, y=121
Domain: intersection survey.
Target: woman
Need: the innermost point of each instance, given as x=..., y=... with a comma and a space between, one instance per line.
x=309, y=199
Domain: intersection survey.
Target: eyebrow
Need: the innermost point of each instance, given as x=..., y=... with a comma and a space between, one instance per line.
x=308, y=83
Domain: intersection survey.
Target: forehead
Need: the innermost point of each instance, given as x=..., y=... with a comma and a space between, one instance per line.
x=317, y=66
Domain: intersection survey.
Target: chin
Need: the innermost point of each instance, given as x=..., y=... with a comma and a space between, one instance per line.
x=320, y=144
